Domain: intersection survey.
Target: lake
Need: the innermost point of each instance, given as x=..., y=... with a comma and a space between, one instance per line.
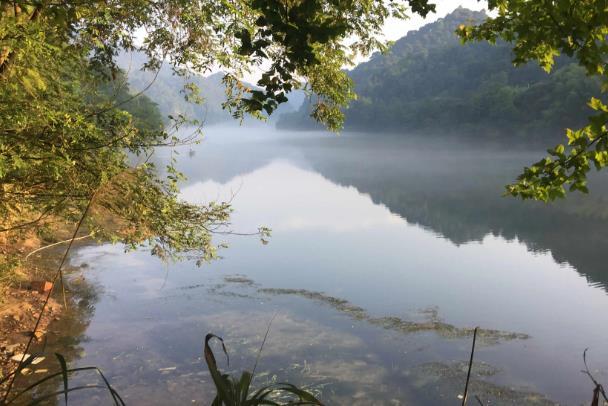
x=385, y=253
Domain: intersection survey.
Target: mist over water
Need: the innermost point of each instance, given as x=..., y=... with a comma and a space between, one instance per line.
x=385, y=253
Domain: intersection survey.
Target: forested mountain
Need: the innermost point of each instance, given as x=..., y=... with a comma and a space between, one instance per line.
x=430, y=81
x=166, y=89
x=145, y=113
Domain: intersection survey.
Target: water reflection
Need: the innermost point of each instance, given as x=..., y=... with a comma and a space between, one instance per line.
x=453, y=188
x=385, y=253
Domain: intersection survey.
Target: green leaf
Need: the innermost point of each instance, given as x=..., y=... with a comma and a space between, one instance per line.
x=64, y=374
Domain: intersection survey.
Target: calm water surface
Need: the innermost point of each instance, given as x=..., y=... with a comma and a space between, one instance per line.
x=384, y=254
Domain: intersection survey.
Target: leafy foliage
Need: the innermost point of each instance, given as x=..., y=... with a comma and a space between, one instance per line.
x=167, y=90
x=70, y=132
x=64, y=140
x=541, y=31
x=144, y=112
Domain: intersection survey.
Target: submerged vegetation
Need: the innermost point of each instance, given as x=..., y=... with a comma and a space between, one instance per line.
x=430, y=323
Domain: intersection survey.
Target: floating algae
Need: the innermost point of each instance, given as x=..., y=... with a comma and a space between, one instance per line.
x=430, y=323
x=342, y=305
x=436, y=381
x=429, y=320
x=240, y=279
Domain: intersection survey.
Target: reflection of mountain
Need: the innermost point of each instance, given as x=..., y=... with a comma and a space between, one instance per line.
x=457, y=193
x=454, y=190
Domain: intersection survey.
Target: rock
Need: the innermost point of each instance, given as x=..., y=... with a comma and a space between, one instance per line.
x=37, y=360
x=11, y=348
x=17, y=357
x=42, y=286
x=26, y=371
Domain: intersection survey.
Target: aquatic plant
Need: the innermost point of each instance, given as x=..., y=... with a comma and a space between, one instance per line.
x=466, y=385
x=64, y=373
x=239, y=392
x=598, y=390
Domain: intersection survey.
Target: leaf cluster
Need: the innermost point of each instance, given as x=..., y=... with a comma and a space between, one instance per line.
x=71, y=132
x=540, y=31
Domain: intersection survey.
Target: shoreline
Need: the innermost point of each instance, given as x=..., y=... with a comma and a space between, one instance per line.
x=20, y=308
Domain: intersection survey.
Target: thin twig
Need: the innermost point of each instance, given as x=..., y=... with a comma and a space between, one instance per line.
x=131, y=98
x=598, y=386
x=262, y=346
x=466, y=386
x=57, y=243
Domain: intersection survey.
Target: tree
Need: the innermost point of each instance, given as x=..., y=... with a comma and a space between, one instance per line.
x=541, y=30
x=67, y=138
x=431, y=82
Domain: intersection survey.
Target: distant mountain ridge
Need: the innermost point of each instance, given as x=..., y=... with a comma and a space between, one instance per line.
x=166, y=91
x=430, y=81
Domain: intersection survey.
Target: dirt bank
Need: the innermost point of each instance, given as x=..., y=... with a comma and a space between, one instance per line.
x=18, y=314
x=21, y=300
